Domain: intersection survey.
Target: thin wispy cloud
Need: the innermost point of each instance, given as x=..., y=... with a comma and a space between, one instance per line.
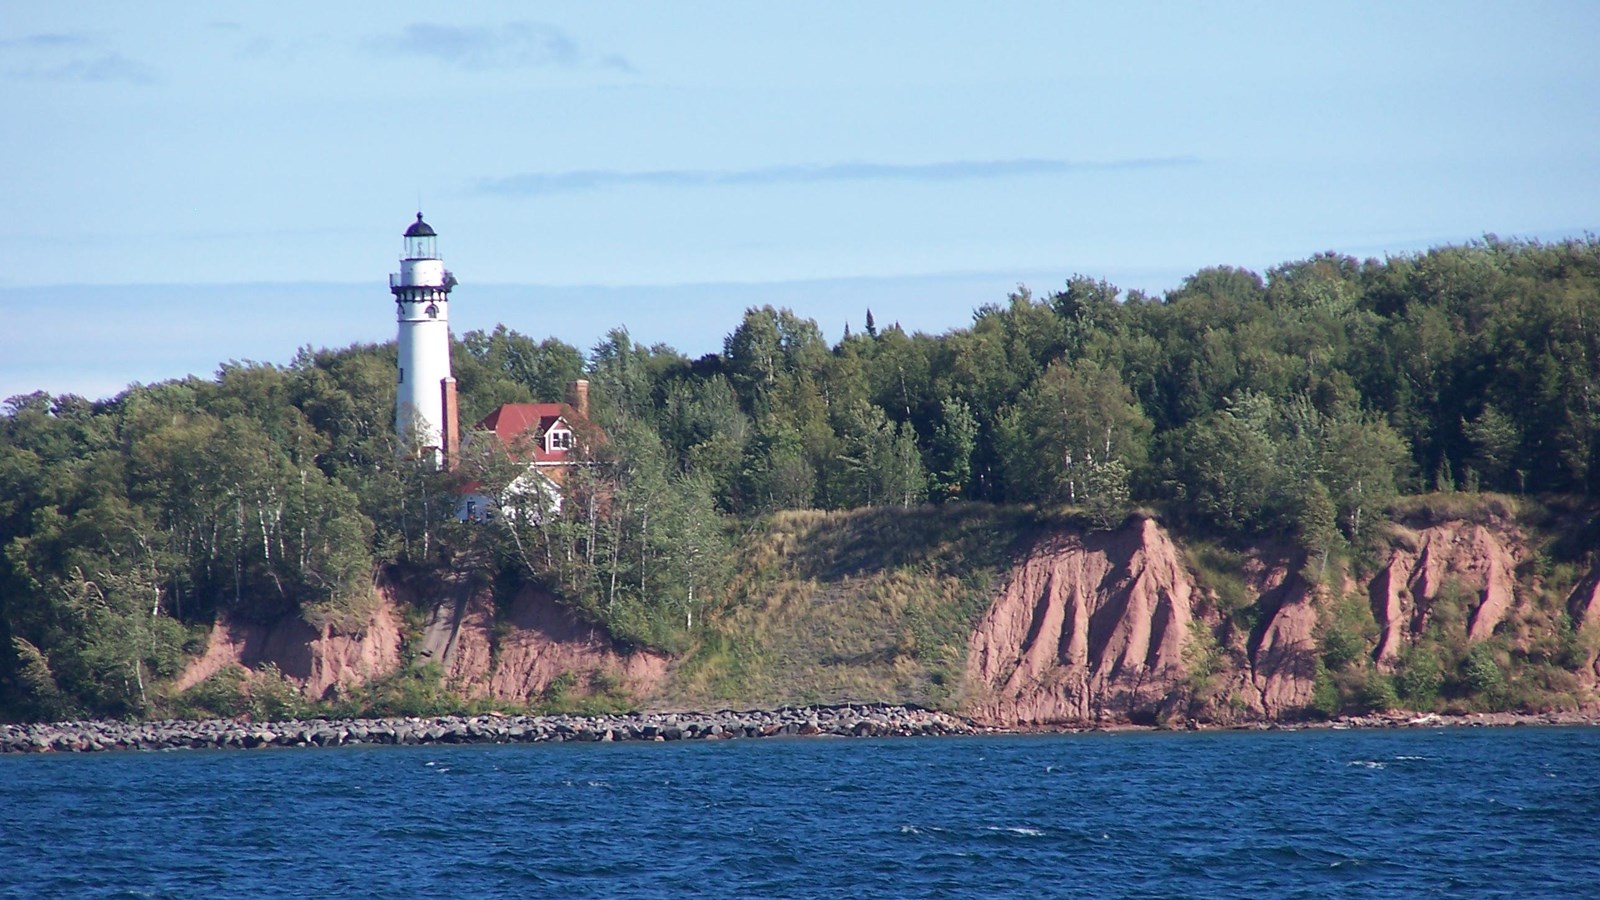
x=515, y=45
x=106, y=67
x=46, y=41
x=540, y=183
x=73, y=57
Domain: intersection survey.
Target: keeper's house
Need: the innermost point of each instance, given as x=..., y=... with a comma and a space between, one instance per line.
x=540, y=435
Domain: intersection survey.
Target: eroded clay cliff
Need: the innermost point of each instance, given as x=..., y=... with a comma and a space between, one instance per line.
x=1112, y=626
x=512, y=657
x=1277, y=674
x=1086, y=627
x=319, y=660
x=536, y=642
x=1584, y=606
x=1458, y=562
x=1089, y=627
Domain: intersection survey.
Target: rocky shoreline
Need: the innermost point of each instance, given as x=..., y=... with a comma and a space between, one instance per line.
x=851, y=720
x=1458, y=720
x=1383, y=720
x=855, y=720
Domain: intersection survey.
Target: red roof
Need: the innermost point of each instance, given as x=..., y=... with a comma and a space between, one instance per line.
x=514, y=420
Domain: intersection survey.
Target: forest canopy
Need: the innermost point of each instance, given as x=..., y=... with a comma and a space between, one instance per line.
x=1300, y=401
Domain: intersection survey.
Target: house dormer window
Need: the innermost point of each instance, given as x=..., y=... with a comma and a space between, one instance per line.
x=560, y=440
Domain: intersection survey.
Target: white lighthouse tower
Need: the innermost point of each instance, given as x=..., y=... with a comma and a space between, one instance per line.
x=425, y=418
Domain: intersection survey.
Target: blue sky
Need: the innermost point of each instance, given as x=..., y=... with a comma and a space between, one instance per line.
x=229, y=181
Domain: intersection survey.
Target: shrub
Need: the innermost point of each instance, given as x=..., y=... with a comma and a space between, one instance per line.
x=411, y=691
x=1324, y=693
x=1481, y=672
x=1419, y=677
x=1341, y=647
x=1216, y=569
x=1377, y=693
x=264, y=695
x=220, y=696
x=1347, y=632
x=556, y=691
x=271, y=697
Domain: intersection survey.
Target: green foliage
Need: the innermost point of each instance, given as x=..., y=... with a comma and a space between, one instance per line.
x=1377, y=693
x=771, y=347
x=1481, y=672
x=1494, y=440
x=1303, y=404
x=503, y=366
x=1341, y=648
x=1219, y=571
x=559, y=687
x=1348, y=634
x=1257, y=464
x=1419, y=677
x=222, y=696
x=262, y=695
x=1202, y=657
x=636, y=547
x=37, y=684
x=777, y=473
x=413, y=690
x=1325, y=699
x=703, y=427
x=1346, y=679
x=1076, y=437
x=955, y=439
x=879, y=464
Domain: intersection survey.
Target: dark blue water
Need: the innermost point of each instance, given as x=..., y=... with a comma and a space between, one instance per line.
x=1507, y=812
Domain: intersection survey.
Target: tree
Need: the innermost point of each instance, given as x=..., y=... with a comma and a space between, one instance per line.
x=776, y=474
x=1256, y=465
x=1084, y=306
x=704, y=429
x=1075, y=437
x=954, y=440
x=880, y=464
x=768, y=347
x=1363, y=462
x=635, y=547
x=1223, y=466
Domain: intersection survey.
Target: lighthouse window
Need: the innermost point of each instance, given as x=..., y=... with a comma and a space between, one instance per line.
x=402, y=376
x=433, y=311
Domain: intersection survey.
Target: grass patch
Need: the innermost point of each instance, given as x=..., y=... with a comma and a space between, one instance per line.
x=1479, y=508
x=1219, y=573
x=865, y=605
x=261, y=695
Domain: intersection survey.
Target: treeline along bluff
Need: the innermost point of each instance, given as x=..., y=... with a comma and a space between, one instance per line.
x=1339, y=486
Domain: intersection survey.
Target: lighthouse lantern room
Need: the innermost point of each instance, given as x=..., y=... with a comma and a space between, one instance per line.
x=425, y=417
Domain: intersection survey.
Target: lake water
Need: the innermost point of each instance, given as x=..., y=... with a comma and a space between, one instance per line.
x=1452, y=812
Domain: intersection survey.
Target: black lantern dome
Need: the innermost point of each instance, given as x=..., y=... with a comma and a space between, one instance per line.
x=420, y=228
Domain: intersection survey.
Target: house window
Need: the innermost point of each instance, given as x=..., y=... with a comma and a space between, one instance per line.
x=560, y=440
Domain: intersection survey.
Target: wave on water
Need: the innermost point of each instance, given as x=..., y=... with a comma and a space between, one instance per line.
x=1020, y=830
x=1247, y=814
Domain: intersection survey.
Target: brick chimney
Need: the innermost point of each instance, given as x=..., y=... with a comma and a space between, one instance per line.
x=578, y=397
x=451, y=430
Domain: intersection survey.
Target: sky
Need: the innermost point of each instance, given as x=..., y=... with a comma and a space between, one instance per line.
x=229, y=181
